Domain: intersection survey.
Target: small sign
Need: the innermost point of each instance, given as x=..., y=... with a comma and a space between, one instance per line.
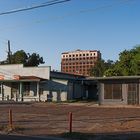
x=1, y=77
x=16, y=77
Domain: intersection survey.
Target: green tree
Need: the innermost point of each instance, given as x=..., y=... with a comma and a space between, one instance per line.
x=113, y=71
x=19, y=57
x=34, y=60
x=27, y=59
x=129, y=61
x=100, y=67
x=127, y=65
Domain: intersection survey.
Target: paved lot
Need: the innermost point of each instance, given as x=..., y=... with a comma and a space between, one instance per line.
x=43, y=119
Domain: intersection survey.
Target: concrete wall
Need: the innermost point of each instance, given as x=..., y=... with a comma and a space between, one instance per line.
x=122, y=101
x=70, y=91
x=77, y=91
x=54, y=90
x=18, y=69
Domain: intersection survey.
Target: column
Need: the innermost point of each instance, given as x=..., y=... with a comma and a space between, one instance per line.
x=2, y=92
x=37, y=91
x=20, y=90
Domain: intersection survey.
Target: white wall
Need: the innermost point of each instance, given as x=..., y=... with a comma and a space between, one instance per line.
x=18, y=69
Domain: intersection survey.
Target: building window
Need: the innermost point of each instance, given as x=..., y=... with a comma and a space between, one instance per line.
x=112, y=91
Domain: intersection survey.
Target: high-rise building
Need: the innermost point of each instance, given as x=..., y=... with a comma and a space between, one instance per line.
x=79, y=61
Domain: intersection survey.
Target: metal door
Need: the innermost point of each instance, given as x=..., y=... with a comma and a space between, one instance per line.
x=133, y=96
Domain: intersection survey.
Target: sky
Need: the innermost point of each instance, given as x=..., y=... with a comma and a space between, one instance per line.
x=109, y=26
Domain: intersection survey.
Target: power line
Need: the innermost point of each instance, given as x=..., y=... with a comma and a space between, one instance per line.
x=49, y=3
x=72, y=14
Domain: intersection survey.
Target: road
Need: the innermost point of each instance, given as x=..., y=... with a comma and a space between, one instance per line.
x=14, y=137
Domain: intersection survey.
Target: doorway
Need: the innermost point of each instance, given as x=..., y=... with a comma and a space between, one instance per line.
x=15, y=91
x=133, y=94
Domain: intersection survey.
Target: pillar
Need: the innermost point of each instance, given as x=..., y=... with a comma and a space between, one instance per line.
x=2, y=91
x=37, y=90
x=20, y=90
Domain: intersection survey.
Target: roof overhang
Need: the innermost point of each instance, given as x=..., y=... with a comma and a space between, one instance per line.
x=23, y=79
x=112, y=78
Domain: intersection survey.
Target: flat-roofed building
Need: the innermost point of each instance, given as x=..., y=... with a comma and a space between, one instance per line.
x=19, y=83
x=79, y=61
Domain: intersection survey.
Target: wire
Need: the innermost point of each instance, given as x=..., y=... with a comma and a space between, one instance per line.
x=49, y=3
x=67, y=15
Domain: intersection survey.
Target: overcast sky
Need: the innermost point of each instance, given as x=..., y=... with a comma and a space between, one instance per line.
x=106, y=25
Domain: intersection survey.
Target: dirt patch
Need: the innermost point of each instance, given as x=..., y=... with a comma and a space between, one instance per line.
x=52, y=119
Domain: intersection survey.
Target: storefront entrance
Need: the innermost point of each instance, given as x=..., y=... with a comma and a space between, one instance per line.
x=15, y=91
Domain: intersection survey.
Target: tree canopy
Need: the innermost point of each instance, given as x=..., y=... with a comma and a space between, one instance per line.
x=100, y=67
x=27, y=59
x=127, y=65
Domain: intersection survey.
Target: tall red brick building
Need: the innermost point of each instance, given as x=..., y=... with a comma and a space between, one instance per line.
x=79, y=61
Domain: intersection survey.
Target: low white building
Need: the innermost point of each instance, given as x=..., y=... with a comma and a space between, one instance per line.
x=20, y=83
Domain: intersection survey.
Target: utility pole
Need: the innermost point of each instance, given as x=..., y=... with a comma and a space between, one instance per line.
x=9, y=52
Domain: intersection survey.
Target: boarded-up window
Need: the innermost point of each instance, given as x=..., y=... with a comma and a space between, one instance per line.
x=112, y=91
